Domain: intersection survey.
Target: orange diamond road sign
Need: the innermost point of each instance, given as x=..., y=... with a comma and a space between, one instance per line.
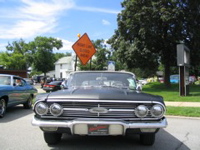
x=84, y=49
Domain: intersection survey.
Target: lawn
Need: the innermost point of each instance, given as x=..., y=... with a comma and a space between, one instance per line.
x=172, y=94
x=183, y=111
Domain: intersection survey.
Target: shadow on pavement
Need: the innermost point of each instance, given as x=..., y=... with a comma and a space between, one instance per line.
x=13, y=113
x=164, y=141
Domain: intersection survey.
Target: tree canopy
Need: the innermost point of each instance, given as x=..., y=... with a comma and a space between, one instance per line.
x=43, y=53
x=18, y=55
x=148, y=32
x=37, y=54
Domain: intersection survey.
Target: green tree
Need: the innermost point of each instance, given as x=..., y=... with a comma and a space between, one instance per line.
x=192, y=24
x=99, y=62
x=102, y=55
x=43, y=53
x=18, y=56
x=13, y=61
x=148, y=32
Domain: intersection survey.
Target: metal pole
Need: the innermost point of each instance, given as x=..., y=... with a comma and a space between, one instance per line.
x=75, y=63
x=78, y=35
x=90, y=63
x=182, y=81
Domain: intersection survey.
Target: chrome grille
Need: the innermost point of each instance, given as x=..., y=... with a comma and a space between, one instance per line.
x=116, y=110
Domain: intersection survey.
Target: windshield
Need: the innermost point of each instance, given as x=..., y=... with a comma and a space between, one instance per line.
x=103, y=79
x=5, y=80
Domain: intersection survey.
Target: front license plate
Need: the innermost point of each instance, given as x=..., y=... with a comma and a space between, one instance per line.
x=99, y=129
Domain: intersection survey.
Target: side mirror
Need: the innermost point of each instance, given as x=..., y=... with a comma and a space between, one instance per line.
x=64, y=87
x=139, y=87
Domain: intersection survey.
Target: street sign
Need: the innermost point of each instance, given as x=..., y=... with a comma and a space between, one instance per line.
x=84, y=49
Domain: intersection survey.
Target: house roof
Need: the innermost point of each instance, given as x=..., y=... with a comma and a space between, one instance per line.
x=64, y=60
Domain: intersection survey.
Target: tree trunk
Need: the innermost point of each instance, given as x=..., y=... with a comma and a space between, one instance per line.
x=167, y=75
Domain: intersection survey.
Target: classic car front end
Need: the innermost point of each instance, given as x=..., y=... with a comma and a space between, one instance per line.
x=100, y=104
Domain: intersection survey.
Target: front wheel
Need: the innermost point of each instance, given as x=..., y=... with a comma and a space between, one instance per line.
x=147, y=139
x=2, y=107
x=52, y=138
x=28, y=104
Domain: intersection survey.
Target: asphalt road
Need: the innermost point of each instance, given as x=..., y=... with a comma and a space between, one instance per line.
x=17, y=133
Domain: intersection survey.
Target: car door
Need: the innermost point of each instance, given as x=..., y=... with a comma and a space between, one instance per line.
x=19, y=90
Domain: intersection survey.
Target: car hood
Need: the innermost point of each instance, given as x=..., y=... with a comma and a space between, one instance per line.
x=103, y=94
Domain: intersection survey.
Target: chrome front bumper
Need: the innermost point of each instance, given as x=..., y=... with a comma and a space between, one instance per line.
x=126, y=125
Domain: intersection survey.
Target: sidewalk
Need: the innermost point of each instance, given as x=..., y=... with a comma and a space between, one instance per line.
x=183, y=104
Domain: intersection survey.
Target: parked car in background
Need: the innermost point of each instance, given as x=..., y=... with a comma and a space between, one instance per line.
x=29, y=81
x=161, y=79
x=99, y=103
x=52, y=86
x=174, y=78
x=37, y=79
x=143, y=81
x=192, y=79
x=14, y=90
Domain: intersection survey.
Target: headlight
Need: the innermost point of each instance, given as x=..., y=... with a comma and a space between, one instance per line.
x=157, y=111
x=56, y=109
x=141, y=111
x=41, y=108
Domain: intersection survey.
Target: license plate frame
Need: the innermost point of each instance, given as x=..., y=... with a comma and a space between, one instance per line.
x=98, y=129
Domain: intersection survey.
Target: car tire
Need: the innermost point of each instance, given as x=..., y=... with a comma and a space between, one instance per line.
x=147, y=139
x=52, y=138
x=2, y=107
x=28, y=104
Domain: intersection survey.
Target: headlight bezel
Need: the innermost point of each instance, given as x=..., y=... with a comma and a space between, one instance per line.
x=45, y=110
x=162, y=111
x=137, y=111
x=56, y=105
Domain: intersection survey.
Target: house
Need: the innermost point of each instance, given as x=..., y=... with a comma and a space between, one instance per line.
x=64, y=66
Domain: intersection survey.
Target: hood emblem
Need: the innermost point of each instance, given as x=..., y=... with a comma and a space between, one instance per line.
x=98, y=110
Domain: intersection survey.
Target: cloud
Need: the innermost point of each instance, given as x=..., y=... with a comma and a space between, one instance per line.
x=105, y=22
x=94, y=9
x=67, y=45
x=33, y=17
x=30, y=18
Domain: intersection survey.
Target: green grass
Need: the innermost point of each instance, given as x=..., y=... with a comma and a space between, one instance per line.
x=172, y=94
x=183, y=111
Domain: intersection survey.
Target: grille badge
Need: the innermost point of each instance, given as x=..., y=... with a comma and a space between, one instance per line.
x=98, y=110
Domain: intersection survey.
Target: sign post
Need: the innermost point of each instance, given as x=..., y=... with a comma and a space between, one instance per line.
x=76, y=55
x=183, y=61
x=84, y=49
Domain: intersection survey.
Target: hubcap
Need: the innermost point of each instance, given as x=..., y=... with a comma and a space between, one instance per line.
x=2, y=106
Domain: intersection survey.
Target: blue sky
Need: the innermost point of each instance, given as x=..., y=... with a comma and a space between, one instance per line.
x=62, y=19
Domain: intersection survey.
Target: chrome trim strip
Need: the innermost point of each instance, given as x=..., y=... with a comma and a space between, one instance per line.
x=69, y=124
x=130, y=119
x=94, y=100
x=126, y=110
x=76, y=109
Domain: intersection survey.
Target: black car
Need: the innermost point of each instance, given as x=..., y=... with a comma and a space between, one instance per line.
x=100, y=103
x=52, y=86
